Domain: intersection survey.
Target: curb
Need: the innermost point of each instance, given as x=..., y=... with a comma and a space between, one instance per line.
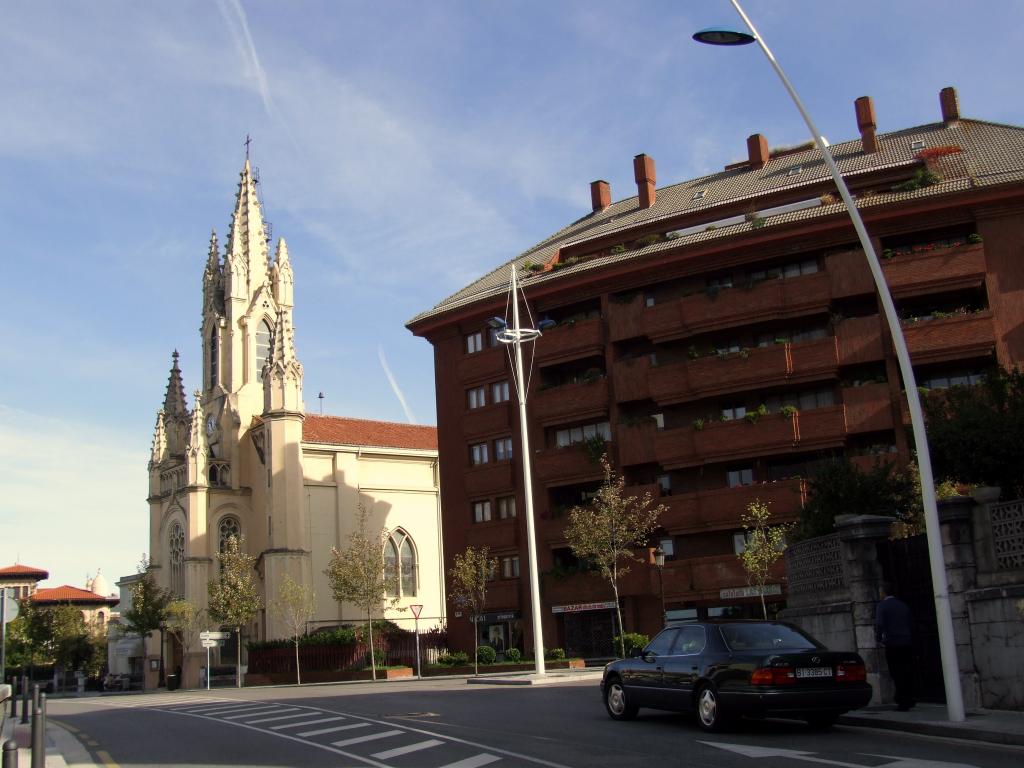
x=944, y=730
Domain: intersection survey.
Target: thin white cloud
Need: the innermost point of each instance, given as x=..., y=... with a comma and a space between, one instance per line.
x=238, y=26
x=394, y=386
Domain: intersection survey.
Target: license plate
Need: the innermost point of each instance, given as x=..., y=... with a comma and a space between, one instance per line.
x=814, y=671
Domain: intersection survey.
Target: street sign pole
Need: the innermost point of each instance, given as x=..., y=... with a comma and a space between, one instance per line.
x=3, y=633
x=416, y=609
x=210, y=640
x=207, y=667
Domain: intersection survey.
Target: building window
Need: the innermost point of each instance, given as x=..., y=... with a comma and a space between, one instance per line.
x=474, y=342
x=503, y=449
x=475, y=398
x=510, y=567
x=506, y=507
x=664, y=484
x=481, y=511
x=499, y=392
x=176, y=556
x=478, y=454
x=214, y=357
x=733, y=412
x=737, y=477
x=668, y=546
x=400, y=567
x=263, y=335
x=227, y=528
x=492, y=337
x=574, y=435
x=721, y=281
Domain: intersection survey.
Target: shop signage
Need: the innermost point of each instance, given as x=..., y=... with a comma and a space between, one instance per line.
x=580, y=607
x=493, y=617
x=730, y=594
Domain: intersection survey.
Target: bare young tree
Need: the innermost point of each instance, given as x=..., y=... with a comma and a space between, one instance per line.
x=184, y=621
x=472, y=569
x=234, y=598
x=294, y=605
x=763, y=547
x=356, y=574
x=610, y=529
x=148, y=610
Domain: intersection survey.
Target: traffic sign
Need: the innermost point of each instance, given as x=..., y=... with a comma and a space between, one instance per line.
x=415, y=610
x=209, y=643
x=214, y=635
x=11, y=610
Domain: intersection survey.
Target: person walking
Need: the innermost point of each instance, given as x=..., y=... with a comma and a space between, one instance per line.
x=893, y=631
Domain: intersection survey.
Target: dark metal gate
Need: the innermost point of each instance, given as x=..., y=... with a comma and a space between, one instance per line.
x=905, y=564
x=589, y=634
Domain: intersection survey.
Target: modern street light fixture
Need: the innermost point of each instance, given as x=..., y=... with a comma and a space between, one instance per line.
x=659, y=563
x=943, y=614
x=515, y=336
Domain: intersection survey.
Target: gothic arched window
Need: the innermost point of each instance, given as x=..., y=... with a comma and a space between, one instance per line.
x=400, y=566
x=176, y=556
x=229, y=526
x=214, y=357
x=263, y=335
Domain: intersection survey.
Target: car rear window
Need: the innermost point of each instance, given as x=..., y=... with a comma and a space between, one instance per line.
x=765, y=637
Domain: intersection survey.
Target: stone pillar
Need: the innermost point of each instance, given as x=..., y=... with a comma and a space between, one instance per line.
x=956, y=524
x=859, y=536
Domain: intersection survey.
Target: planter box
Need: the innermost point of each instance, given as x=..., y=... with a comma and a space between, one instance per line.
x=528, y=666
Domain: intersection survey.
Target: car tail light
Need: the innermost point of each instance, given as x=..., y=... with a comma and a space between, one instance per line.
x=773, y=676
x=851, y=673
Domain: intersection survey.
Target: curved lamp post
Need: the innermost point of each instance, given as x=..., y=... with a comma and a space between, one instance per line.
x=516, y=336
x=659, y=563
x=943, y=615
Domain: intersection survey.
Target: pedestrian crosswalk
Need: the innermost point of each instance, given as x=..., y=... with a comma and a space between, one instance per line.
x=364, y=739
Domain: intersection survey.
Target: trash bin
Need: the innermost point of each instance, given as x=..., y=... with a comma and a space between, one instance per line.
x=173, y=682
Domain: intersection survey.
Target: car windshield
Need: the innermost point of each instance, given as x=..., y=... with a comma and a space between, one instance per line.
x=765, y=637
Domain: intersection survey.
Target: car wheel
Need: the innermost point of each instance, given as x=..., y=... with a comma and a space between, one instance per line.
x=616, y=701
x=823, y=720
x=710, y=715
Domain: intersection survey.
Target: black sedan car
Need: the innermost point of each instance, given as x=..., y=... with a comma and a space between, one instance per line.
x=724, y=669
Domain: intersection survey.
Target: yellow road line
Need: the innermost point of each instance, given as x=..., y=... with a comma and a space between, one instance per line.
x=107, y=759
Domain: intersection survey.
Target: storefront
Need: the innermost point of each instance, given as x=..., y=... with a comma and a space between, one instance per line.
x=501, y=630
x=587, y=629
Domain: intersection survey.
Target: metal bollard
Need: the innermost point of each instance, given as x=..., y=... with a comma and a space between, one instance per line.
x=10, y=758
x=39, y=732
x=14, y=698
x=24, y=699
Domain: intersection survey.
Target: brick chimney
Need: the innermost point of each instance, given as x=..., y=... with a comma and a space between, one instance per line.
x=600, y=195
x=950, y=105
x=643, y=172
x=865, y=109
x=757, y=151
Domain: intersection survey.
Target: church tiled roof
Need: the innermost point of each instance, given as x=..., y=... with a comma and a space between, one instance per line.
x=339, y=430
x=69, y=594
x=23, y=571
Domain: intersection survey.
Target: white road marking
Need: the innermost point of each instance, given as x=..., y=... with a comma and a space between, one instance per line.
x=307, y=722
x=279, y=717
x=398, y=751
x=474, y=762
x=255, y=712
x=752, y=750
x=368, y=737
x=336, y=728
x=224, y=708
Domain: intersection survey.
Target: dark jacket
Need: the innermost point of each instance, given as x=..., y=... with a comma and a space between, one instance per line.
x=892, y=622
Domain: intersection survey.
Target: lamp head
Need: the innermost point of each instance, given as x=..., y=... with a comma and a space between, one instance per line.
x=723, y=36
x=546, y=323
x=497, y=323
x=659, y=557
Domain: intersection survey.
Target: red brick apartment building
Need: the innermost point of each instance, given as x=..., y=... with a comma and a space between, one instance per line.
x=680, y=311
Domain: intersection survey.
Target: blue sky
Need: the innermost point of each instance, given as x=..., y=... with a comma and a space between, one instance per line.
x=405, y=148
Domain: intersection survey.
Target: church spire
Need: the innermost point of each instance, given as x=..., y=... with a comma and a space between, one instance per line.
x=281, y=276
x=213, y=278
x=158, y=451
x=282, y=375
x=247, y=252
x=174, y=399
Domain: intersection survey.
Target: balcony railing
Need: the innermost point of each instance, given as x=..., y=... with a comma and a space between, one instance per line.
x=868, y=408
x=561, y=466
x=570, y=402
x=486, y=420
x=479, y=365
x=952, y=338
x=944, y=269
x=859, y=340
x=503, y=594
x=570, y=340
x=489, y=478
x=496, y=534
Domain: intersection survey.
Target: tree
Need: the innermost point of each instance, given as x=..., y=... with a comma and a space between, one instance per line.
x=184, y=621
x=149, y=607
x=356, y=574
x=234, y=600
x=609, y=529
x=469, y=578
x=294, y=606
x=974, y=431
x=763, y=547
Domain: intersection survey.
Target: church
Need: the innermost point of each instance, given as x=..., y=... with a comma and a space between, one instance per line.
x=246, y=460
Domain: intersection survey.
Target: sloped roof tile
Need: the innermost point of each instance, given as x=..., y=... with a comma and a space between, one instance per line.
x=339, y=430
x=69, y=594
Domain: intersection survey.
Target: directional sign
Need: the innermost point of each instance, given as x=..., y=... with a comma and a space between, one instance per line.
x=214, y=635
x=209, y=643
x=11, y=612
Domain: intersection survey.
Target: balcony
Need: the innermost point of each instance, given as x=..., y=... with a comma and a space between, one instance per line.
x=721, y=508
x=503, y=594
x=571, y=402
x=496, y=534
x=563, y=466
x=488, y=420
x=487, y=363
x=636, y=442
x=731, y=440
x=859, y=340
x=489, y=478
x=953, y=338
x=942, y=269
x=570, y=341
x=868, y=408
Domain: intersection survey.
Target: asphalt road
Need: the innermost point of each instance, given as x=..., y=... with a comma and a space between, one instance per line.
x=448, y=724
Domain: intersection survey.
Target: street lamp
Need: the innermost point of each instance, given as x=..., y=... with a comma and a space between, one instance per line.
x=516, y=336
x=943, y=615
x=659, y=562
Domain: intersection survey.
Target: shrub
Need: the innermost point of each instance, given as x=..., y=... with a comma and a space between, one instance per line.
x=554, y=654
x=632, y=641
x=457, y=659
x=514, y=655
x=380, y=658
x=974, y=238
x=486, y=655
x=787, y=410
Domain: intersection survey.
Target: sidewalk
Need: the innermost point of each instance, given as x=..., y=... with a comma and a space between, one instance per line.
x=995, y=726
x=62, y=749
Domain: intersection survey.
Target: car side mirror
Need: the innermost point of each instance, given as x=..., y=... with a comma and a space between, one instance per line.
x=636, y=653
